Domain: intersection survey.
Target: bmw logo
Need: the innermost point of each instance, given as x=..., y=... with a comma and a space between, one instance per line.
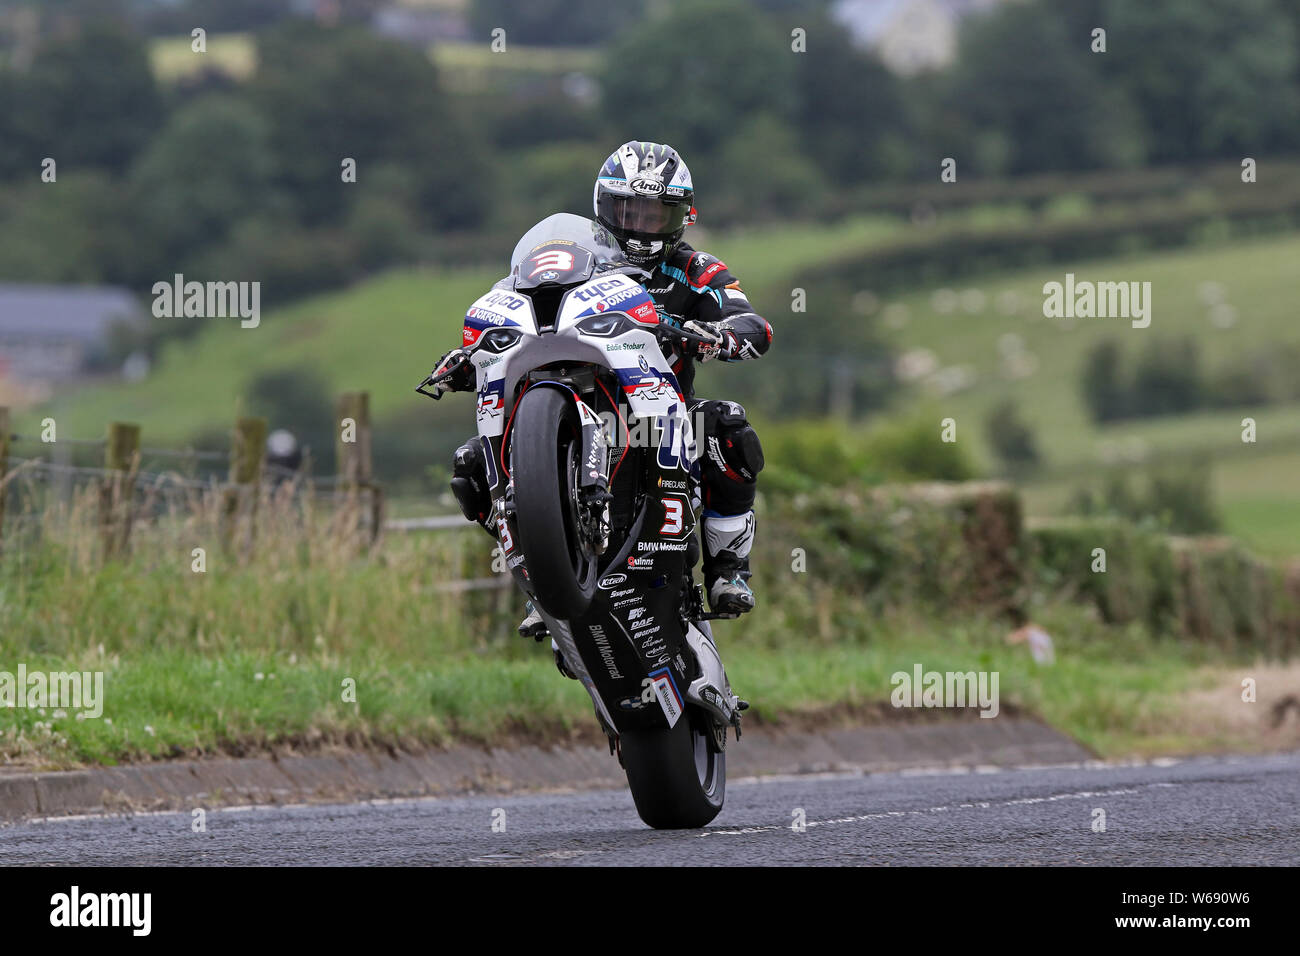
x=550, y=276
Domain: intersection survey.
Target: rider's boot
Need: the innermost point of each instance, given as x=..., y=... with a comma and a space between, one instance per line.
x=532, y=625
x=727, y=541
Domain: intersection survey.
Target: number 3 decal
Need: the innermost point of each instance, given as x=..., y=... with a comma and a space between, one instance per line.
x=551, y=259
x=673, y=511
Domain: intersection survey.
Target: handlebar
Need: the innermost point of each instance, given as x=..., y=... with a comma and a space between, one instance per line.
x=433, y=378
x=662, y=330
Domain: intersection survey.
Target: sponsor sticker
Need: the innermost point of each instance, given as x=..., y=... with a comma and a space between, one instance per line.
x=669, y=699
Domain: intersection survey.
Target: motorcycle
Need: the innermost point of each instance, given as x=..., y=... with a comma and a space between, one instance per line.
x=591, y=465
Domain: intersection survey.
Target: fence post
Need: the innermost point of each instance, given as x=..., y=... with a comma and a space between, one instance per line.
x=353, y=456
x=4, y=468
x=117, y=492
x=248, y=452
x=247, y=457
x=355, y=466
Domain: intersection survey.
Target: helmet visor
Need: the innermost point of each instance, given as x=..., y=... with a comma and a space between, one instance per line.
x=643, y=215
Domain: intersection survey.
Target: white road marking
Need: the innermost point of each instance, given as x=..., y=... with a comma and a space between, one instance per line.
x=891, y=814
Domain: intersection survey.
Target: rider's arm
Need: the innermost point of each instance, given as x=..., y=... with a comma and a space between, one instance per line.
x=723, y=305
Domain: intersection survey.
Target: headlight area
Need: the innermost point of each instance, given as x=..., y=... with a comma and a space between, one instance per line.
x=607, y=325
x=498, y=340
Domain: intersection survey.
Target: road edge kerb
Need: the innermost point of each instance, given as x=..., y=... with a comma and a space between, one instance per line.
x=328, y=778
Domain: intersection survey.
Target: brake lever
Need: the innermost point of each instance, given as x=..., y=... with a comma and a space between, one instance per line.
x=677, y=332
x=433, y=378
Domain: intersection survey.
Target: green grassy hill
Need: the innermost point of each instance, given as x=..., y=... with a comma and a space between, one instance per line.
x=972, y=327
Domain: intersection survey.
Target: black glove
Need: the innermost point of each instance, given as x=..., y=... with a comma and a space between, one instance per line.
x=461, y=378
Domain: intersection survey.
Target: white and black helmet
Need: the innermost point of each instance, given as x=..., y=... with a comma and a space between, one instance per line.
x=645, y=198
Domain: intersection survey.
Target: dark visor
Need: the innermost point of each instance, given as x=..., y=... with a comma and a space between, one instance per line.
x=642, y=214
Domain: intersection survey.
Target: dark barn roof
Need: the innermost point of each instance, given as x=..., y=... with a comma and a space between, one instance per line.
x=62, y=312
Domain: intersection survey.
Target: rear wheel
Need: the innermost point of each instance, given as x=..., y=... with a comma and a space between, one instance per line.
x=545, y=448
x=677, y=779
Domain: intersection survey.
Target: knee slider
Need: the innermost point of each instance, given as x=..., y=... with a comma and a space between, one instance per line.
x=738, y=442
x=467, y=462
x=469, y=481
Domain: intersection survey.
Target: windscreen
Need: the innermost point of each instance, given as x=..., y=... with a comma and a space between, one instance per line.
x=586, y=233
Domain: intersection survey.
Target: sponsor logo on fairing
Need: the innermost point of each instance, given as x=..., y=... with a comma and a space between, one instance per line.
x=605, y=651
x=606, y=288
x=490, y=400
x=613, y=581
x=669, y=699
x=507, y=299
x=483, y=315
x=661, y=545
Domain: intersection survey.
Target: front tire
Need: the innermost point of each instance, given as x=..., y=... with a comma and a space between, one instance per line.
x=677, y=780
x=545, y=450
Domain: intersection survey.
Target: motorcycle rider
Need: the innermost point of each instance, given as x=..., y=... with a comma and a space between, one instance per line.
x=644, y=197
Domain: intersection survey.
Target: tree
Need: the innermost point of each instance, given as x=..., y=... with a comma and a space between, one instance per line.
x=210, y=167
x=1210, y=77
x=1167, y=379
x=1028, y=95
x=672, y=80
x=1011, y=438
x=89, y=100
x=1104, y=392
x=332, y=94
x=850, y=117
x=554, y=22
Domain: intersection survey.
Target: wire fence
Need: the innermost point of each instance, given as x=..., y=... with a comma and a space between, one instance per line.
x=150, y=482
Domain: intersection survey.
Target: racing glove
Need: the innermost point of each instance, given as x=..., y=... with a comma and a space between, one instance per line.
x=462, y=379
x=723, y=342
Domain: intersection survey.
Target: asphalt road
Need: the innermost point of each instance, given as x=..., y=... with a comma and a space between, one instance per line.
x=1235, y=811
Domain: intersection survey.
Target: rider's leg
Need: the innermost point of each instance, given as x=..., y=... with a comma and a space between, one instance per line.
x=730, y=460
x=469, y=485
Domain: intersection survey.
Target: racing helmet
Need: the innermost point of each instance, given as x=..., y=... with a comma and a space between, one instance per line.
x=644, y=197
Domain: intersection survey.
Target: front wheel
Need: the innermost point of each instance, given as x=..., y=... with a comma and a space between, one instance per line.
x=546, y=443
x=678, y=781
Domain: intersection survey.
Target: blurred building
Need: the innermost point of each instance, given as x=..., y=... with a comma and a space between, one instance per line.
x=51, y=334
x=908, y=35
x=421, y=26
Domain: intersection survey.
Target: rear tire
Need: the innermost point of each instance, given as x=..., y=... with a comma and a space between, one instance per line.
x=676, y=779
x=545, y=446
